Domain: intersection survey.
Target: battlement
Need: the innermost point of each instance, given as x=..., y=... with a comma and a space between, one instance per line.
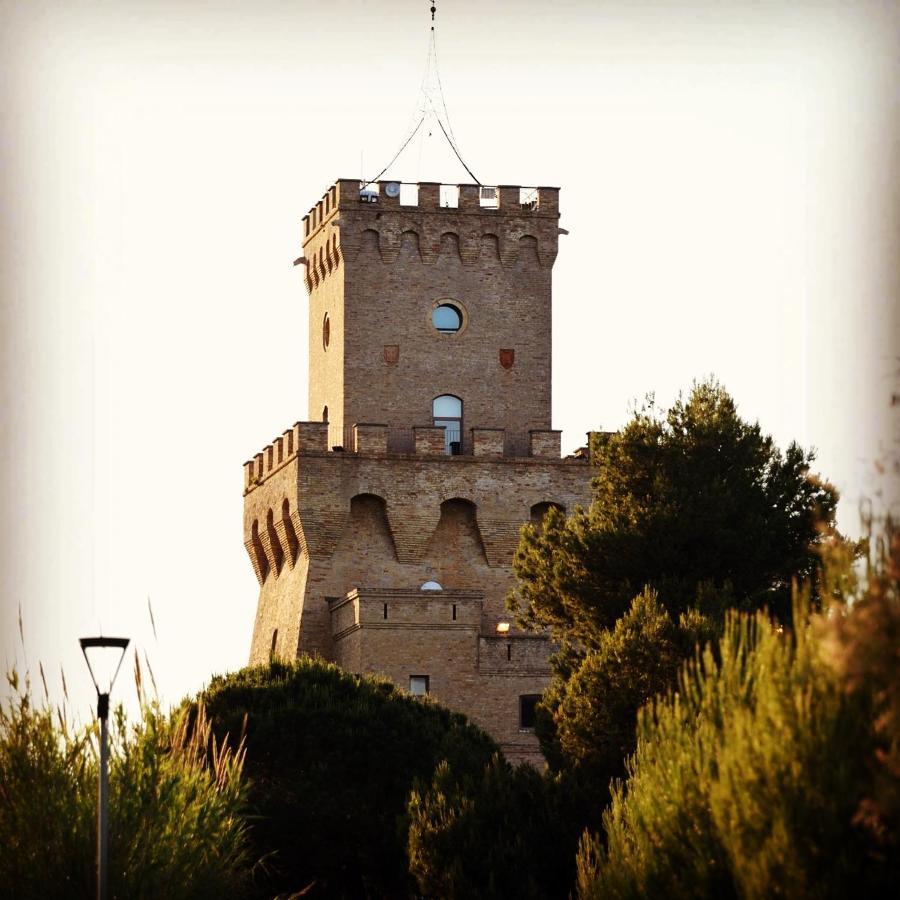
x=470, y=222
x=366, y=439
x=430, y=196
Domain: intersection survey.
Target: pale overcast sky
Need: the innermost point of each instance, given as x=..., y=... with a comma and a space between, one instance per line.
x=729, y=181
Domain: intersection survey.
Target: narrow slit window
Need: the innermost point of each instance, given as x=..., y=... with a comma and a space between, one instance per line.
x=454, y=612
x=385, y=610
x=509, y=651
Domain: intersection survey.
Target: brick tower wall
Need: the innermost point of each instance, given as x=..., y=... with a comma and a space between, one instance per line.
x=346, y=520
x=327, y=530
x=378, y=269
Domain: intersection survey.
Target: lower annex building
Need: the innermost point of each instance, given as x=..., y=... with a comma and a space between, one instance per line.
x=382, y=532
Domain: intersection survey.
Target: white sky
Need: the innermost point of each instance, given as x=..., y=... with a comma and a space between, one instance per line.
x=728, y=175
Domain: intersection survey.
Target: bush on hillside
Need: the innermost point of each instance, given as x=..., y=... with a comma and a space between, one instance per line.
x=510, y=832
x=333, y=758
x=749, y=781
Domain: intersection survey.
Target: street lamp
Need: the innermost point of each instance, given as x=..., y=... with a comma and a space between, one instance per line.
x=104, y=657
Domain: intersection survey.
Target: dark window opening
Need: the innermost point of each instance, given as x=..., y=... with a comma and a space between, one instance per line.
x=454, y=612
x=509, y=651
x=274, y=643
x=385, y=610
x=527, y=704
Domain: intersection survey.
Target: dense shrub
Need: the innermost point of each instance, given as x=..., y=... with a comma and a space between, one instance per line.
x=861, y=640
x=511, y=832
x=175, y=824
x=332, y=758
x=748, y=781
x=587, y=720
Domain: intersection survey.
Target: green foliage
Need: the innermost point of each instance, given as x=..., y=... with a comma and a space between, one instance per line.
x=175, y=825
x=332, y=758
x=48, y=793
x=510, y=832
x=590, y=728
x=695, y=503
x=196, y=834
x=861, y=641
x=746, y=782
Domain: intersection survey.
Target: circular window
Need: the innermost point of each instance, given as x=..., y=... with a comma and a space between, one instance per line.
x=447, y=318
x=326, y=332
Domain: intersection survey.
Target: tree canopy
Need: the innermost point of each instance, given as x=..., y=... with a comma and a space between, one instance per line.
x=510, y=832
x=587, y=720
x=694, y=502
x=332, y=758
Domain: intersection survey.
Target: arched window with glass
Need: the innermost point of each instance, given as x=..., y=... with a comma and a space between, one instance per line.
x=447, y=412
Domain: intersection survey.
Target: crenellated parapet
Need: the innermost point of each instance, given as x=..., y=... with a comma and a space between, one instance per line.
x=368, y=439
x=471, y=223
x=301, y=438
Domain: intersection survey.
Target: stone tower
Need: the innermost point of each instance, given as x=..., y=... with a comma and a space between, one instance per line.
x=382, y=533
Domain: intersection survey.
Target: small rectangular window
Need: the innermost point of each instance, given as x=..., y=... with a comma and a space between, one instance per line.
x=418, y=685
x=509, y=651
x=454, y=612
x=385, y=610
x=527, y=704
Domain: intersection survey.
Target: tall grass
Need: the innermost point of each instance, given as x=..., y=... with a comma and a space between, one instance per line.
x=175, y=804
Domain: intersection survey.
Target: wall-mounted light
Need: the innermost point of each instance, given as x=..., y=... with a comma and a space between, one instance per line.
x=502, y=627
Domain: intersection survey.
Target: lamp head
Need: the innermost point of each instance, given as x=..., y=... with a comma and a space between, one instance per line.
x=103, y=656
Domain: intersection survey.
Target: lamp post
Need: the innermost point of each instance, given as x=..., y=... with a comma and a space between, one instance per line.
x=104, y=657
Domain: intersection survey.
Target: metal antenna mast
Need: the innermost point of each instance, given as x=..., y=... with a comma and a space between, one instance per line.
x=427, y=108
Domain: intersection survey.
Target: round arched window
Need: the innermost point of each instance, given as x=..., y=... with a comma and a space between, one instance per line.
x=447, y=318
x=326, y=332
x=447, y=412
